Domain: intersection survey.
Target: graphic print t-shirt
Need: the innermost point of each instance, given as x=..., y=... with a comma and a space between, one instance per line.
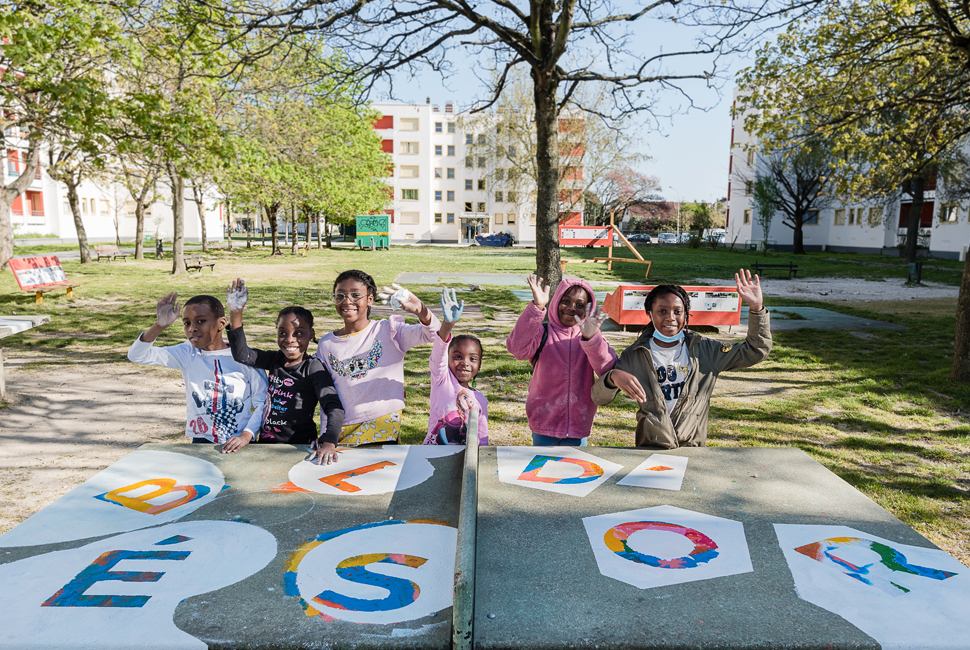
x=671, y=365
x=368, y=367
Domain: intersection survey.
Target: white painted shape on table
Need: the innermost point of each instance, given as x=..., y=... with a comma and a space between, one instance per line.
x=931, y=615
x=659, y=471
x=732, y=555
x=215, y=554
x=84, y=512
x=436, y=544
x=564, y=476
x=366, y=472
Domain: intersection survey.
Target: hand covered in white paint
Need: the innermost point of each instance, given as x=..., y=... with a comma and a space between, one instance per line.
x=237, y=295
x=322, y=453
x=540, y=294
x=167, y=310
x=396, y=296
x=451, y=309
x=591, y=324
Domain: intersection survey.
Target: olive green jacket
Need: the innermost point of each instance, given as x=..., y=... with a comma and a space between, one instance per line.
x=686, y=425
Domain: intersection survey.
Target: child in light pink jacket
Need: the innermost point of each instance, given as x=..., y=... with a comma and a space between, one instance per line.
x=558, y=407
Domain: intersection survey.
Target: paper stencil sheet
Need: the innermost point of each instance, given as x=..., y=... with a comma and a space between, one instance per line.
x=659, y=471
x=565, y=470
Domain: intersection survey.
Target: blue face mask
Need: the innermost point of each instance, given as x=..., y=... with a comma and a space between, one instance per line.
x=668, y=339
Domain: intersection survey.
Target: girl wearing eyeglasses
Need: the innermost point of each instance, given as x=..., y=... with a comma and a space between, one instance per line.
x=366, y=358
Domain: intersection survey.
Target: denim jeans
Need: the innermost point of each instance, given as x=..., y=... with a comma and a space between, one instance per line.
x=539, y=440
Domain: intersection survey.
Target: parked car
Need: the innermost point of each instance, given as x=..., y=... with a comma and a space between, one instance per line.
x=641, y=237
x=667, y=238
x=685, y=237
x=715, y=238
x=499, y=239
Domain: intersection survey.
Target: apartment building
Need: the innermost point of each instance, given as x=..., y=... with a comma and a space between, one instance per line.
x=455, y=176
x=854, y=226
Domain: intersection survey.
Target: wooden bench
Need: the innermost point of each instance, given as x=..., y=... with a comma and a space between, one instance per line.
x=303, y=248
x=41, y=274
x=758, y=267
x=196, y=262
x=109, y=252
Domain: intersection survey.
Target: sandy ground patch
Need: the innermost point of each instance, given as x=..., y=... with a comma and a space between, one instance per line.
x=851, y=290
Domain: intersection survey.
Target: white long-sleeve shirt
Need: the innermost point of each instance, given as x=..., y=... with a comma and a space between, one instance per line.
x=223, y=398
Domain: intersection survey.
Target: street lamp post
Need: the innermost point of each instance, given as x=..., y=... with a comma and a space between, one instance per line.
x=679, y=204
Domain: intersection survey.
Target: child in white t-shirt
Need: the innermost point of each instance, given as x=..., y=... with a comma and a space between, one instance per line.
x=366, y=358
x=455, y=362
x=224, y=399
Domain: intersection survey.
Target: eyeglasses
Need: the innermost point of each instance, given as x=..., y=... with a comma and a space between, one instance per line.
x=340, y=297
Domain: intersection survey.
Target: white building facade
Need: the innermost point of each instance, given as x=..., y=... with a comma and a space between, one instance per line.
x=856, y=226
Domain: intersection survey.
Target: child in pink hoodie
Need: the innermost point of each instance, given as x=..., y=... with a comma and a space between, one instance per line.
x=558, y=407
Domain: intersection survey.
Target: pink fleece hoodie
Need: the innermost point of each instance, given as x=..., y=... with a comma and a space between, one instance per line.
x=559, y=404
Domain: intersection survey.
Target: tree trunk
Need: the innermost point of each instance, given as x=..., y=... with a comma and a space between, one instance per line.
x=228, y=225
x=320, y=234
x=912, y=227
x=199, y=197
x=139, y=231
x=326, y=225
x=178, y=220
x=296, y=239
x=547, y=192
x=961, y=347
x=249, y=235
x=117, y=233
x=798, y=236
x=9, y=193
x=271, y=211
x=82, y=235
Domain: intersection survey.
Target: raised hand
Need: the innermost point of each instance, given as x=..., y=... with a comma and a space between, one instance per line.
x=591, y=324
x=396, y=296
x=540, y=294
x=237, y=295
x=167, y=310
x=750, y=290
x=450, y=307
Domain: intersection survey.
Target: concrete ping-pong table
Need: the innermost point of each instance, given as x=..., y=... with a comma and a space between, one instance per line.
x=14, y=325
x=179, y=546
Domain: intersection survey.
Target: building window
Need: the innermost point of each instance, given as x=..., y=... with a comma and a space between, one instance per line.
x=532, y=219
x=481, y=138
x=451, y=173
x=451, y=215
x=750, y=157
x=511, y=219
x=510, y=151
x=949, y=213
x=105, y=210
x=469, y=184
x=499, y=174
x=481, y=206
x=409, y=148
x=437, y=172
x=451, y=127
x=811, y=218
x=84, y=207
x=451, y=195
x=437, y=195
x=748, y=188
x=747, y=216
x=409, y=171
x=469, y=138
x=499, y=198
x=410, y=218
x=839, y=217
x=875, y=216
x=451, y=150
x=437, y=129
x=510, y=196
x=481, y=184
x=469, y=162
x=409, y=124
x=468, y=206
x=481, y=162
x=499, y=219
x=499, y=151
x=437, y=215
x=409, y=195
x=438, y=150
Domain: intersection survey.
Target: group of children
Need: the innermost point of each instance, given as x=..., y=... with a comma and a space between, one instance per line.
x=356, y=376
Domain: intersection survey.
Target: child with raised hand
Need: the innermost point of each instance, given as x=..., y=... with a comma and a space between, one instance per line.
x=670, y=371
x=455, y=362
x=297, y=381
x=224, y=399
x=366, y=358
x=565, y=352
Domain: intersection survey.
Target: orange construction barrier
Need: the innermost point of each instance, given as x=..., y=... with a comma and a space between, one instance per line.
x=708, y=305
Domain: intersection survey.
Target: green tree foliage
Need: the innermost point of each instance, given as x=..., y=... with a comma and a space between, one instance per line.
x=765, y=198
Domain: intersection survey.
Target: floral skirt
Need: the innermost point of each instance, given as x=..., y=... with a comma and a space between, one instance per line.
x=386, y=428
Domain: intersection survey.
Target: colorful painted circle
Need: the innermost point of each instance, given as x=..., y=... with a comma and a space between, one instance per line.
x=704, y=551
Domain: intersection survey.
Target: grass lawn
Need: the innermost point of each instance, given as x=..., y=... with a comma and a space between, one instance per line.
x=876, y=407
